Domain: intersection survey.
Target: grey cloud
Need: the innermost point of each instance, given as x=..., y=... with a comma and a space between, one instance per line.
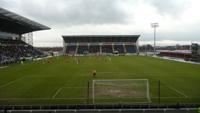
x=177, y=36
x=94, y=12
x=8, y=3
x=185, y=33
x=3, y=3
x=171, y=7
x=75, y=12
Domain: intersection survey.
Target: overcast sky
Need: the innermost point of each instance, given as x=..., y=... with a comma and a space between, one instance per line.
x=179, y=20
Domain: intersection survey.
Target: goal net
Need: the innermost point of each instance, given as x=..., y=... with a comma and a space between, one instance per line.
x=120, y=91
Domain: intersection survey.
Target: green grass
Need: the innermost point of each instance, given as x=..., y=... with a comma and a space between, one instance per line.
x=63, y=81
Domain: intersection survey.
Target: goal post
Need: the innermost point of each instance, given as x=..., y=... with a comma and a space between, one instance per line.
x=120, y=91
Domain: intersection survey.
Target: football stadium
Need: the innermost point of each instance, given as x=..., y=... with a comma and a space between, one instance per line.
x=95, y=73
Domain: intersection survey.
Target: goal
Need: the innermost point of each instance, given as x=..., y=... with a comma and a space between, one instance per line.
x=120, y=91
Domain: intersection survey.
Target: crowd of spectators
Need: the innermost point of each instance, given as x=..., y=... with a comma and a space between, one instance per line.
x=12, y=51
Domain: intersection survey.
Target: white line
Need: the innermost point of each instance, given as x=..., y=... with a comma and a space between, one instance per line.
x=57, y=92
x=59, y=89
x=3, y=67
x=179, y=92
x=11, y=82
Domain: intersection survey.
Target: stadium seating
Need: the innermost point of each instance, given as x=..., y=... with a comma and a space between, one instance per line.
x=101, y=44
x=83, y=50
x=130, y=49
x=119, y=48
x=16, y=50
x=94, y=49
x=107, y=49
x=70, y=49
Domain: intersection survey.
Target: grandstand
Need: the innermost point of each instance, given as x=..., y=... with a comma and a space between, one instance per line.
x=100, y=44
x=128, y=84
x=12, y=47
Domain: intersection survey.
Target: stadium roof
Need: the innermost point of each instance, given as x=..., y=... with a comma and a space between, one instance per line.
x=99, y=36
x=14, y=23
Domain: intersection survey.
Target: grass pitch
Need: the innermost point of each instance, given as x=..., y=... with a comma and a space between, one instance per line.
x=64, y=80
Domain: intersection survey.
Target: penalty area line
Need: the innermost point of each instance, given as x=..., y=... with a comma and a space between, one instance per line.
x=179, y=92
x=57, y=92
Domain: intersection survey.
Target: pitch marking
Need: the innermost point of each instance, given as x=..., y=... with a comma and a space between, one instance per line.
x=57, y=92
x=11, y=82
x=179, y=92
x=2, y=67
